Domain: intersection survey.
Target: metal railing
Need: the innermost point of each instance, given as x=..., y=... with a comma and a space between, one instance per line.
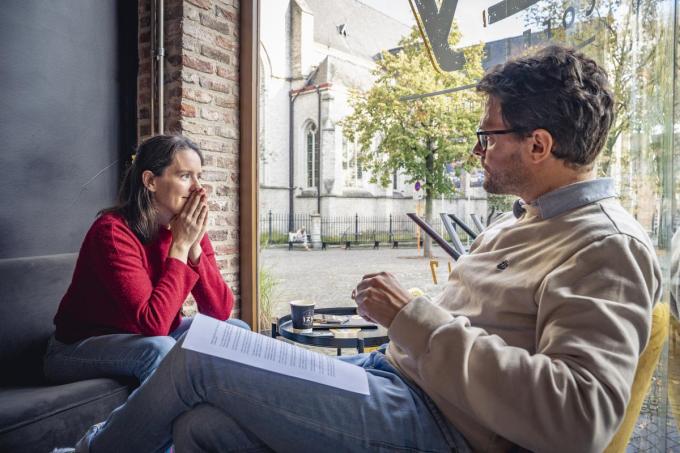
x=353, y=229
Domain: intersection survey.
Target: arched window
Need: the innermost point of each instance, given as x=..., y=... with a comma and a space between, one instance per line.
x=351, y=164
x=312, y=148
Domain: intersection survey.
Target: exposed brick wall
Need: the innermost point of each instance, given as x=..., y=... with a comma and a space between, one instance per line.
x=201, y=102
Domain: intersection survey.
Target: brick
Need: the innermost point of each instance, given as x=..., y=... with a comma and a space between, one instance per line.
x=211, y=145
x=204, y=4
x=215, y=175
x=173, y=30
x=228, y=13
x=216, y=205
x=215, y=54
x=227, y=43
x=189, y=77
x=213, y=85
x=172, y=125
x=145, y=37
x=195, y=30
x=196, y=95
x=230, y=118
x=198, y=64
x=221, y=235
x=173, y=12
x=188, y=110
x=219, y=25
x=197, y=129
x=226, y=132
x=226, y=191
x=215, y=161
x=191, y=13
x=210, y=115
x=229, y=101
x=216, y=220
x=227, y=73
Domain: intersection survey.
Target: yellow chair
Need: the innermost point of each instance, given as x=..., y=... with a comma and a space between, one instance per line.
x=643, y=378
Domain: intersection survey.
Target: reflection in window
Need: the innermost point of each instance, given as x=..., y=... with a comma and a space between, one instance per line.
x=351, y=164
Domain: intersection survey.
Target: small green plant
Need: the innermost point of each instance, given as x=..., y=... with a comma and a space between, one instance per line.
x=267, y=284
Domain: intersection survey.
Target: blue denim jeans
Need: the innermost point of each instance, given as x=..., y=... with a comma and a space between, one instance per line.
x=115, y=355
x=206, y=403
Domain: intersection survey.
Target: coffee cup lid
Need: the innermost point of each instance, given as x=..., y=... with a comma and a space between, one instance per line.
x=301, y=302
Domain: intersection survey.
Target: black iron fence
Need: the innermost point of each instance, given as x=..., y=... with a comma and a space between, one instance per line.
x=354, y=229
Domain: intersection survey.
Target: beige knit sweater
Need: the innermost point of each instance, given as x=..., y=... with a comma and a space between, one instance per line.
x=539, y=351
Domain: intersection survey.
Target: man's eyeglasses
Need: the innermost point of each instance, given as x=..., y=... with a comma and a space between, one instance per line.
x=483, y=136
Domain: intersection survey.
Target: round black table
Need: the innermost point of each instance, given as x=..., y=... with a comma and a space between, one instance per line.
x=366, y=338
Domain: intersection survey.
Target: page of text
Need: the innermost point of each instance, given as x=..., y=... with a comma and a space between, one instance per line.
x=218, y=338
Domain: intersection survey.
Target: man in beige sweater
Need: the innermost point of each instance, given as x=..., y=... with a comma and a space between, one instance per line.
x=533, y=344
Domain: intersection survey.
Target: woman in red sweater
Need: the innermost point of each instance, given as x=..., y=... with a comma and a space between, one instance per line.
x=137, y=265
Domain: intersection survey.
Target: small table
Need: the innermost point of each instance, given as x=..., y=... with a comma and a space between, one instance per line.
x=366, y=338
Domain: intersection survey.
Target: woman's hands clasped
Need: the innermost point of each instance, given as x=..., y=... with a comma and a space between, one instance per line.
x=189, y=226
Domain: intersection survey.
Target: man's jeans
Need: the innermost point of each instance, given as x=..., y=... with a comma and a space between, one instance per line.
x=206, y=403
x=116, y=355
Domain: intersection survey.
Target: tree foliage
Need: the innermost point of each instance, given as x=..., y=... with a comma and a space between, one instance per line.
x=417, y=138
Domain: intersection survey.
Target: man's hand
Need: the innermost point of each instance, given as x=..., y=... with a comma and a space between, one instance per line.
x=379, y=298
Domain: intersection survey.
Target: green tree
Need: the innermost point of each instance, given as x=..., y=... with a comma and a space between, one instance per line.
x=418, y=137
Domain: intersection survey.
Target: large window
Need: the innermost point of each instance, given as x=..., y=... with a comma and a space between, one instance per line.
x=322, y=55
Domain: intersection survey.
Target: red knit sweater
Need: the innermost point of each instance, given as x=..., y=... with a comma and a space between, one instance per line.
x=122, y=286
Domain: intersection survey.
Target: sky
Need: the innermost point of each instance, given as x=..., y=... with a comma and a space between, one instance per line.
x=468, y=15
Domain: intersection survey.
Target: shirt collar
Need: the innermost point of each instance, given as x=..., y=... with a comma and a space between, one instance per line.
x=569, y=197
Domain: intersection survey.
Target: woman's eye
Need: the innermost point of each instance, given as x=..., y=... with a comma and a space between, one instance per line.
x=186, y=176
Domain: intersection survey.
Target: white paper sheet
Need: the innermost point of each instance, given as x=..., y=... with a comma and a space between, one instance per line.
x=217, y=338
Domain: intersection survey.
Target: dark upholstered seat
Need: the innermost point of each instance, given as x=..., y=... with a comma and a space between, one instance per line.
x=35, y=415
x=55, y=415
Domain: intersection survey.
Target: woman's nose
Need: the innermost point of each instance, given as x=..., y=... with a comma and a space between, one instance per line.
x=197, y=184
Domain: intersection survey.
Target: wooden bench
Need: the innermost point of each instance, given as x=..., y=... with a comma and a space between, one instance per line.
x=293, y=240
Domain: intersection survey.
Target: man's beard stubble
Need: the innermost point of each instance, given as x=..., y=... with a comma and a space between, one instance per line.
x=507, y=181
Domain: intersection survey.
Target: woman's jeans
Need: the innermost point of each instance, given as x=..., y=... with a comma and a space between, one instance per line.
x=206, y=403
x=115, y=355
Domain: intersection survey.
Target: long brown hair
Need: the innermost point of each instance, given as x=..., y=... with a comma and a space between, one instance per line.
x=135, y=201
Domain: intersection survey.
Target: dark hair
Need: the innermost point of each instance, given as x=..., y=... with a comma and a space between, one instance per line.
x=135, y=202
x=560, y=90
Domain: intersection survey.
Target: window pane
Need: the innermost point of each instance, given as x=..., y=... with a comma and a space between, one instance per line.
x=321, y=59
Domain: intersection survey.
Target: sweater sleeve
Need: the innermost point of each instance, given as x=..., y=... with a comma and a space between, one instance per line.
x=150, y=310
x=593, y=321
x=213, y=296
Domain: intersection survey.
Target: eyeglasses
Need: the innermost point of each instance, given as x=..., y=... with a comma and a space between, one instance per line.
x=483, y=136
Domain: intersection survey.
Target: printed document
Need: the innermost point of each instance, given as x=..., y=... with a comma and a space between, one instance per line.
x=220, y=339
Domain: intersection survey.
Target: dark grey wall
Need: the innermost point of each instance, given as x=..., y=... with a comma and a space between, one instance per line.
x=63, y=93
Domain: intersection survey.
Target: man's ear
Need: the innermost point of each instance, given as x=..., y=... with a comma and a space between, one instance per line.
x=542, y=145
x=149, y=180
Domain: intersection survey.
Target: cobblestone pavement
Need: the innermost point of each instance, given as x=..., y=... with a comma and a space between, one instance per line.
x=328, y=277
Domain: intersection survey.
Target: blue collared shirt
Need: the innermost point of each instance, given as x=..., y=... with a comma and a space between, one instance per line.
x=569, y=197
